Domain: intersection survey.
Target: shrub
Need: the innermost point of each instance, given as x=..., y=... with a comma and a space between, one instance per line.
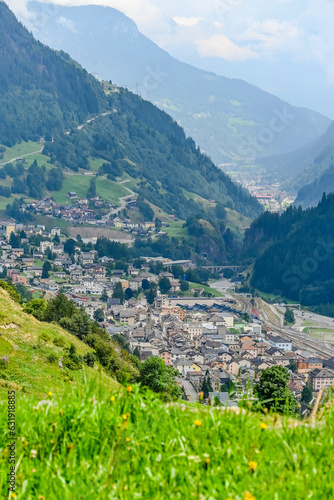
x=13, y=293
x=59, y=342
x=52, y=358
x=44, y=337
x=89, y=358
x=72, y=363
x=36, y=307
x=4, y=362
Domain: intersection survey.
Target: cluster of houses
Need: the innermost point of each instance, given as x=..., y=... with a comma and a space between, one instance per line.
x=84, y=211
x=77, y=210
x=200, y=337
x=215, y=344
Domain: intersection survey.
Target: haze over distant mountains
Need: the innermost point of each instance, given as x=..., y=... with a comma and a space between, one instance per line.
x=231, y=120
x=303, y=165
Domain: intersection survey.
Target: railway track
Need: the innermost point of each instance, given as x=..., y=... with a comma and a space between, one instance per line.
x=300, y=340
x=306, y=343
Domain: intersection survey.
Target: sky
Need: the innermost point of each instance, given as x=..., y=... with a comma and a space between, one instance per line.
x=283, y=46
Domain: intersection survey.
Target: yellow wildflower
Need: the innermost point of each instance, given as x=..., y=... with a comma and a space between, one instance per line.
x=129, y=389
x=252, y=465
x=50, y=394
x=70, y=446
x=263, y=426
x=198, y=423
x=125, y=417
x=112, y=399
x=249, y=496
x=128, y=439
x=207, y=460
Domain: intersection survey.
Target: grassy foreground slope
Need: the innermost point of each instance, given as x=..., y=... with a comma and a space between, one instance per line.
x=80, y=435
x=128, y=445
x=29, y=346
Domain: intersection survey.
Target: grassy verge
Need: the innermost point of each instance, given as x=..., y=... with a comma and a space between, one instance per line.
x=325, y=334
x=111, y=191
x=77, y=183
x=20, y=150
x=91, y=443
x=50, y=222
x=273, y=299
x=176, y=229
x=208, y=289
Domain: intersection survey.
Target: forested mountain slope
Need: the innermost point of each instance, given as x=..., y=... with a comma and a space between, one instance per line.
x=146, y=143
x=45, y=93
x=41, y=91
x=294, y=254
x=226, y=117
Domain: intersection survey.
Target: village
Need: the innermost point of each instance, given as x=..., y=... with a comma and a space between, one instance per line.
x=216, y=349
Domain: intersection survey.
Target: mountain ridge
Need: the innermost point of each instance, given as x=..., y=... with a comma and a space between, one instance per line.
x=134, y=139
x=301, y=166
x=34, y=77
x=219, y=113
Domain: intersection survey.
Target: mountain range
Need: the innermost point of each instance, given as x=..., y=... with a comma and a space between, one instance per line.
x=46, y=94
x=308, y=171
x=299, y=167
x=231, y=120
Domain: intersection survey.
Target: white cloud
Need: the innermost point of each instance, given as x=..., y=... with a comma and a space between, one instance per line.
x=223, y=47
x=67, y=23
x=187, y=21
x=270, y=37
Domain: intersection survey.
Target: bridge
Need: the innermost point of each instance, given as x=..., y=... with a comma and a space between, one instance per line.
x=220, y=269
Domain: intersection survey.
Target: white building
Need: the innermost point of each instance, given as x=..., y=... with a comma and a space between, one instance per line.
x=280, y=343
x=44, y=245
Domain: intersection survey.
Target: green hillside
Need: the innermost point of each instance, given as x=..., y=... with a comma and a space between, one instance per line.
x=81, y=435
x=106, y=444
x=34, y=349
x=45, y=94
x=293, y=255
x=145, y=143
